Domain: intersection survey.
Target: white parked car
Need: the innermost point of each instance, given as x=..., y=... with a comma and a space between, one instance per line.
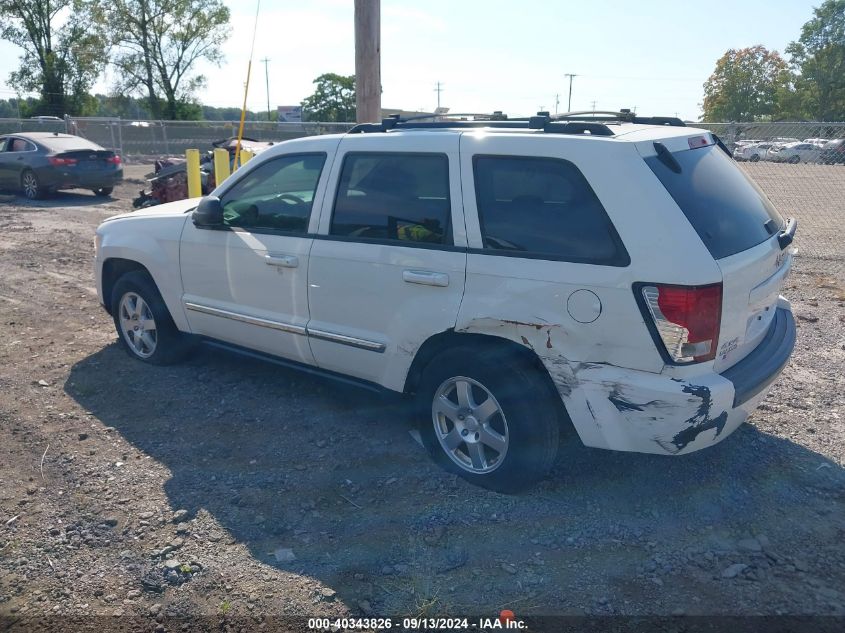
x=516, y=278
x=795, y=153
x=753, y=152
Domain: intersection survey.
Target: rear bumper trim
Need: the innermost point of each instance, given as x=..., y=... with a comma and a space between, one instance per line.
x=761, y=367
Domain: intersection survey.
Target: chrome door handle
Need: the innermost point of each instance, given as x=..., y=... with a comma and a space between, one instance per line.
x=285, y=261
x=425, y=277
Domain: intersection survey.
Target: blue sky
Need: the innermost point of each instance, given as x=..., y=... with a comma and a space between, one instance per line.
x=508, y=55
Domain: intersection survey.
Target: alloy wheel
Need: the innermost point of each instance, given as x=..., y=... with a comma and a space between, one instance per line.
x=470, y=425
x=30, y=185
x=137, y=325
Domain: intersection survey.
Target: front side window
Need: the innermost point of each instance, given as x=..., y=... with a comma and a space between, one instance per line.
x=543, y=208
x=277, y=195
x=394, y=196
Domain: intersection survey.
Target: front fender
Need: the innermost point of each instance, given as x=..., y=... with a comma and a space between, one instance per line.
x=153, y=243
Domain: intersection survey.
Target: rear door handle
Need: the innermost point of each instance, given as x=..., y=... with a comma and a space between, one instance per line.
x=425, y=277
x=284, y=261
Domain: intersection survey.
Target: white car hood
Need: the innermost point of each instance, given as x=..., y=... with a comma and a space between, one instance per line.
x=170, y=209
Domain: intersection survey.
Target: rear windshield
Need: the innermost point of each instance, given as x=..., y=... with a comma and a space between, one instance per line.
x=68, y=143
x=727, y=209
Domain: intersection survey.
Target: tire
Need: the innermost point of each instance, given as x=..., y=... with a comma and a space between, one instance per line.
x=164, y=343
x=754, y=158
x=794, y=160
x=103, y=192
x=524, y=426
x=30, y=185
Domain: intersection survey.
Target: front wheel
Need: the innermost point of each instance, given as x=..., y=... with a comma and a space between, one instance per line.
x=794, y=160
x=103, y=192
x=144, y=325
x=487, y=415
x=754, y=158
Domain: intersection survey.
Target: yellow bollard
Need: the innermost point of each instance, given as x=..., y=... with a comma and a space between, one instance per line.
x=193, y=167
x=246, y=155
x=221, y=165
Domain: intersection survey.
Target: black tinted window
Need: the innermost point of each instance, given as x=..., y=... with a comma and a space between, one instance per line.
x=727, y=209
x=276, y=195
x=543, y=207
x=402, y=197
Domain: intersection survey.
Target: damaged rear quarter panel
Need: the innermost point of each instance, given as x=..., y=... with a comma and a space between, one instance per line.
x=644, y=412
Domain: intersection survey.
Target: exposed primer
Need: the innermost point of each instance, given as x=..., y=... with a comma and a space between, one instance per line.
x=699, y=422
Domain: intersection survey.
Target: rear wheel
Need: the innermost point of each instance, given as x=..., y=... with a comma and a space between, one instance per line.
x=487, y=415
x=754, y=158
x=30, y=186
x=144, y=325
x=794, y=159
x=103, y=192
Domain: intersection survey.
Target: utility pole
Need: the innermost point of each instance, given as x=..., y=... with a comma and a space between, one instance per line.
x=571, y=77
x=557, y=102
x=593, y=102
x=438, y=88
x=267, y=81
x=368, y=60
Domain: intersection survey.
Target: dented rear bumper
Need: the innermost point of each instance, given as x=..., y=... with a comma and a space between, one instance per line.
x=627, y=410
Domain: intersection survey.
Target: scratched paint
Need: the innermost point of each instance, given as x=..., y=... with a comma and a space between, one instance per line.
x=620, y=408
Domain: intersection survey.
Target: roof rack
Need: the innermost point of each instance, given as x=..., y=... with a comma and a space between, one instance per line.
x=592, y=123
x=497, y=120
x=623, y=116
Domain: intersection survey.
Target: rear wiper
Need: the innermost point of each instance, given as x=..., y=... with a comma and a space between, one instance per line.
x=666, y=157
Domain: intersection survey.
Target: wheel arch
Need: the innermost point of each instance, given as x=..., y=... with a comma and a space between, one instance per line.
x=442, y=341
x=113, y=269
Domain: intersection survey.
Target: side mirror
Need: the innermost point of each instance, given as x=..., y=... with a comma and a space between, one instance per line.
x=209, y=212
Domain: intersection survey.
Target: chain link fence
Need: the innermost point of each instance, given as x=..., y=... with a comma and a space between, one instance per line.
x=800, y=166
x=142, y=139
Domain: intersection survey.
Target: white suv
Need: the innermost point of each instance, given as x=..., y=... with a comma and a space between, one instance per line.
x=517, y=277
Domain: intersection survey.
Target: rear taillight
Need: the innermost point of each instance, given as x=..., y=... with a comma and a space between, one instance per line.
x=687, y=318
x=114, y=160
x=57, y=161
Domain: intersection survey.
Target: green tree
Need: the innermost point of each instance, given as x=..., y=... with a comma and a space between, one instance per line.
x=333, y=99
x=63, y=51
x=819, y=54
x=745, y=85
x=158, y=45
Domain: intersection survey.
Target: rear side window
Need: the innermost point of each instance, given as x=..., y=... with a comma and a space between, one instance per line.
x=543, y=208
x=20, y=145
x=394, y=196
x=727, y=209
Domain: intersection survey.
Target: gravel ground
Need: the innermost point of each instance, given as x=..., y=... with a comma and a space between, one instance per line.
x=226, y=494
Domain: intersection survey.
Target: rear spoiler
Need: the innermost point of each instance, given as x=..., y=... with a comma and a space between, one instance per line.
x=786, y=236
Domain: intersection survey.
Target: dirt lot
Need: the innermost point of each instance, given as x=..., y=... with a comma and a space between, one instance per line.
x=229, y=493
